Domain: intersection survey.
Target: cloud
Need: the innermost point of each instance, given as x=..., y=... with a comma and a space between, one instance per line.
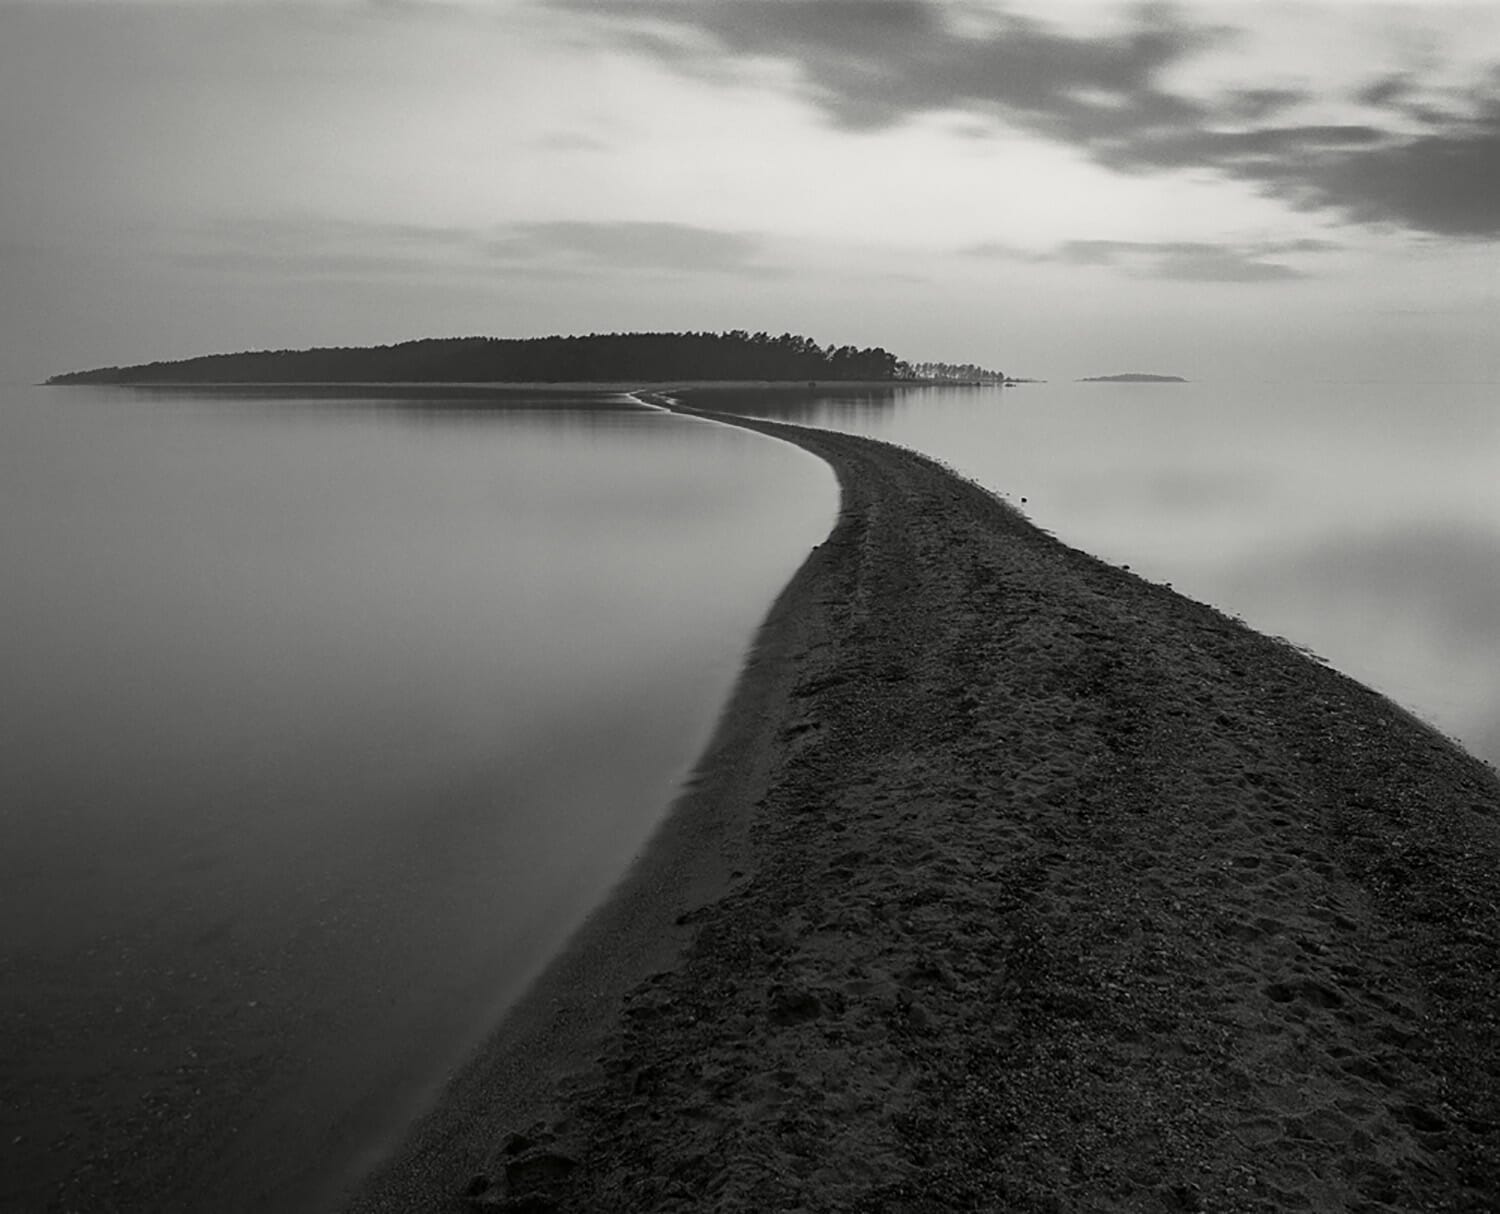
x=1251, y=149
x=997, y=249
x=1446, y=184
x=1252, y=105
x=1386, y=90
x=1184, y=261
x=1180, y=260
x=323, y=245
x=309, y=246
x=873, y=64
x=628, y=245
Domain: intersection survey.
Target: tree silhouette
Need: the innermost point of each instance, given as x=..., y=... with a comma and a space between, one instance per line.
x=961, y=372
x=597, y=357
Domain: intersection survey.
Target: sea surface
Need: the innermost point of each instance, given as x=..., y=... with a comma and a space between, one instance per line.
x=1358, y=520
x=325, y=722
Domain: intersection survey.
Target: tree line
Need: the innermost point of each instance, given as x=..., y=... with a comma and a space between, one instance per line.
x=597, y=357
x=967, y=372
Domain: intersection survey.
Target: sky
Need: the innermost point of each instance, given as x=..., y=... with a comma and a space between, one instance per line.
x=1218, y=190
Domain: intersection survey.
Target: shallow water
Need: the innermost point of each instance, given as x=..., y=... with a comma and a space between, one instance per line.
x=1359, y=520
x=324, y=724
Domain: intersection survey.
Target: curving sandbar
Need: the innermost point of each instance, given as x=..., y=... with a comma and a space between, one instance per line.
x=1013, y=882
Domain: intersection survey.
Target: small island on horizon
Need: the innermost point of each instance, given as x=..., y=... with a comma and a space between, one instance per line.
x=1133, y=377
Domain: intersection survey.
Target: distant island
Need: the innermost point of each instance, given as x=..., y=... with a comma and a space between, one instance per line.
x=597, y=358
x=1133, y=377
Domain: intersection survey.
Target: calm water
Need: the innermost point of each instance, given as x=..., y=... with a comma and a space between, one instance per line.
x=324, y=724
x=1360, y=520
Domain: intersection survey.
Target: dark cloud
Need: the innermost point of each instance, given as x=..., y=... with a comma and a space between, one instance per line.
x=1181, y=260
x=1306, y=244
x=871, y=64
x=630, y=246
x=1185, y=261
x=1386, y=90
x=1251, y=151
x=1251, y=105
x=1447, y=184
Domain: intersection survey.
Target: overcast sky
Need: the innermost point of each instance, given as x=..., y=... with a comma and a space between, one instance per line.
x=1218, y=190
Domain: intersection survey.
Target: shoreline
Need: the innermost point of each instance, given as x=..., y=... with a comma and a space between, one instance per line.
x=1012, y=881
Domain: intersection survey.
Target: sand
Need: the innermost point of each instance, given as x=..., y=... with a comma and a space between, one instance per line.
x=1012, y=881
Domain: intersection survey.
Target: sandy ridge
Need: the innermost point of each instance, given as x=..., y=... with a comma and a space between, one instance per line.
x=1055, y=891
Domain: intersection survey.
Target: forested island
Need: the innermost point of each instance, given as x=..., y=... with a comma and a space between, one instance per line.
x=597, y=357
x=1133, y=377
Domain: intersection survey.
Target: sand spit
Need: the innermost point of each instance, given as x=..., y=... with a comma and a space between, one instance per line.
x=1042, y=889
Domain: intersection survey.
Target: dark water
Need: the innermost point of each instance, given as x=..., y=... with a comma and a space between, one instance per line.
x=324, y=723
x=1359, y=520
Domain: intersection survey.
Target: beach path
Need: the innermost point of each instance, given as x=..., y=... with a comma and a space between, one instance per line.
x=1052, y=890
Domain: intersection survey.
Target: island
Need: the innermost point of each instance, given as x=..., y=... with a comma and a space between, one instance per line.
x=1133, y=377
x=592, y=358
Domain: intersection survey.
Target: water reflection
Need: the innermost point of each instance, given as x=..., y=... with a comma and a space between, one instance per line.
x=323, y=725
x=1418, y=606
x=855, y=407
x=1360, y=520
x=485, y=398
